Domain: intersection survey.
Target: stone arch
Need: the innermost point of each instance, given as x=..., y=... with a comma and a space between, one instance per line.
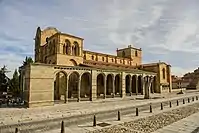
x=100, y=85
x=68, y=47
x=60, y=71
x=118, y=85
x=73, y=62
x=73, y=82
x=134, y=83
x=86, y=86
x=127, y=84
x=140, y=83
x=76, y=49
x=60, y=81
x=109, y=84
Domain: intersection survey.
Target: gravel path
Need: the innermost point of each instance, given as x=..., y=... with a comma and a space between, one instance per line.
x=152, y=123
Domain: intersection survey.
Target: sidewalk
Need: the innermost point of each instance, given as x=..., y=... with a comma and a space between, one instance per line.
x=113, y=123
x=20, y=115
x=186, y=125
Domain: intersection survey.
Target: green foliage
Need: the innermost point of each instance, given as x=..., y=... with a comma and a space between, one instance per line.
x=14, y=83
x=3, y=78
x=28, y=60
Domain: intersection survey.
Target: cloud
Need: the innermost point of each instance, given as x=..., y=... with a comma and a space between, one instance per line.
x=166, y=30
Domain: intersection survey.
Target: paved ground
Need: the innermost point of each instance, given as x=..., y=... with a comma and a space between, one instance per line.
x=86, y=127
x=20, y=115
x=187, y=125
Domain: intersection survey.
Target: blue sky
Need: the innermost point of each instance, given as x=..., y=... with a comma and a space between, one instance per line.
x=166, y=30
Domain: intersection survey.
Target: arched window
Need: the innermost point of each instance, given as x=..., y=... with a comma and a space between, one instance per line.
x=102, y=58
x=68, y=47
x=163, y=73
x=47, y=39
x=85, y=57
x=136, y=53
x=76, y=49
x=92, y=57
x=64, y=49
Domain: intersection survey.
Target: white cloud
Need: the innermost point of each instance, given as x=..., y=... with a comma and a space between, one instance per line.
x=162, y=28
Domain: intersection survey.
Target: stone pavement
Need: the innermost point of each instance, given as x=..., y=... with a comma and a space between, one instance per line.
x=186, y=125
x=19, y=115
x=86, y=127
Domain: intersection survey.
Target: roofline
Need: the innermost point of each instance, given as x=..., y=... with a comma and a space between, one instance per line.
x=154, y=64
x=70, y=35
x=87, y=51
x=140, y=49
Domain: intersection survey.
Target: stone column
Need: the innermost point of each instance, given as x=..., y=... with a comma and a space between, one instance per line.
x=113, y=84
x=105, y=78
x=78, y=90
x=122, y=85
x=136, y=85
x=94, y=85
x=146, y=87
x=57, y=96
x=142, y=86
x=66, y=93
x=130, y=85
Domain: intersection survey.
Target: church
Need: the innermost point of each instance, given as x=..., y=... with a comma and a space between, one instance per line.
x=64, y=72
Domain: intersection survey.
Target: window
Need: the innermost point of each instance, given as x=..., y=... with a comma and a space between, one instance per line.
x=112, y=60
x=92, y=57
x=85, y=57
x=64, y=49
x=163, y=73
x=102, y=58
x=76, y=49
x=68, y=47
x=120, y=61
x=136, y=53
x=47, y=39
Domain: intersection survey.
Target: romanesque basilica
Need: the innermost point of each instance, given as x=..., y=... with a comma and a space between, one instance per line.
x=63, y=71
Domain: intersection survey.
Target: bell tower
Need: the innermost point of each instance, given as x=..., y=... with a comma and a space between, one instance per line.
x=135, y=54
x=37, y=45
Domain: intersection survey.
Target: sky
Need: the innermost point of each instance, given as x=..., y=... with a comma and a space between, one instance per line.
x=166, y=30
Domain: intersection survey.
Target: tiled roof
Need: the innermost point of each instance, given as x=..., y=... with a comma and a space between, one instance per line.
x=111, y=67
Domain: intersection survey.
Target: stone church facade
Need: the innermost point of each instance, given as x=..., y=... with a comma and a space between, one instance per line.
x=63, y=72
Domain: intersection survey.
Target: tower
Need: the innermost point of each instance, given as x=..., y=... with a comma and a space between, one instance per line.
x=132, y=53
x=37, y=44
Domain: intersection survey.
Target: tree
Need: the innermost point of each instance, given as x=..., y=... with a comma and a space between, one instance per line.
x=14, y=83
x=28, y=60
x=3, y=79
